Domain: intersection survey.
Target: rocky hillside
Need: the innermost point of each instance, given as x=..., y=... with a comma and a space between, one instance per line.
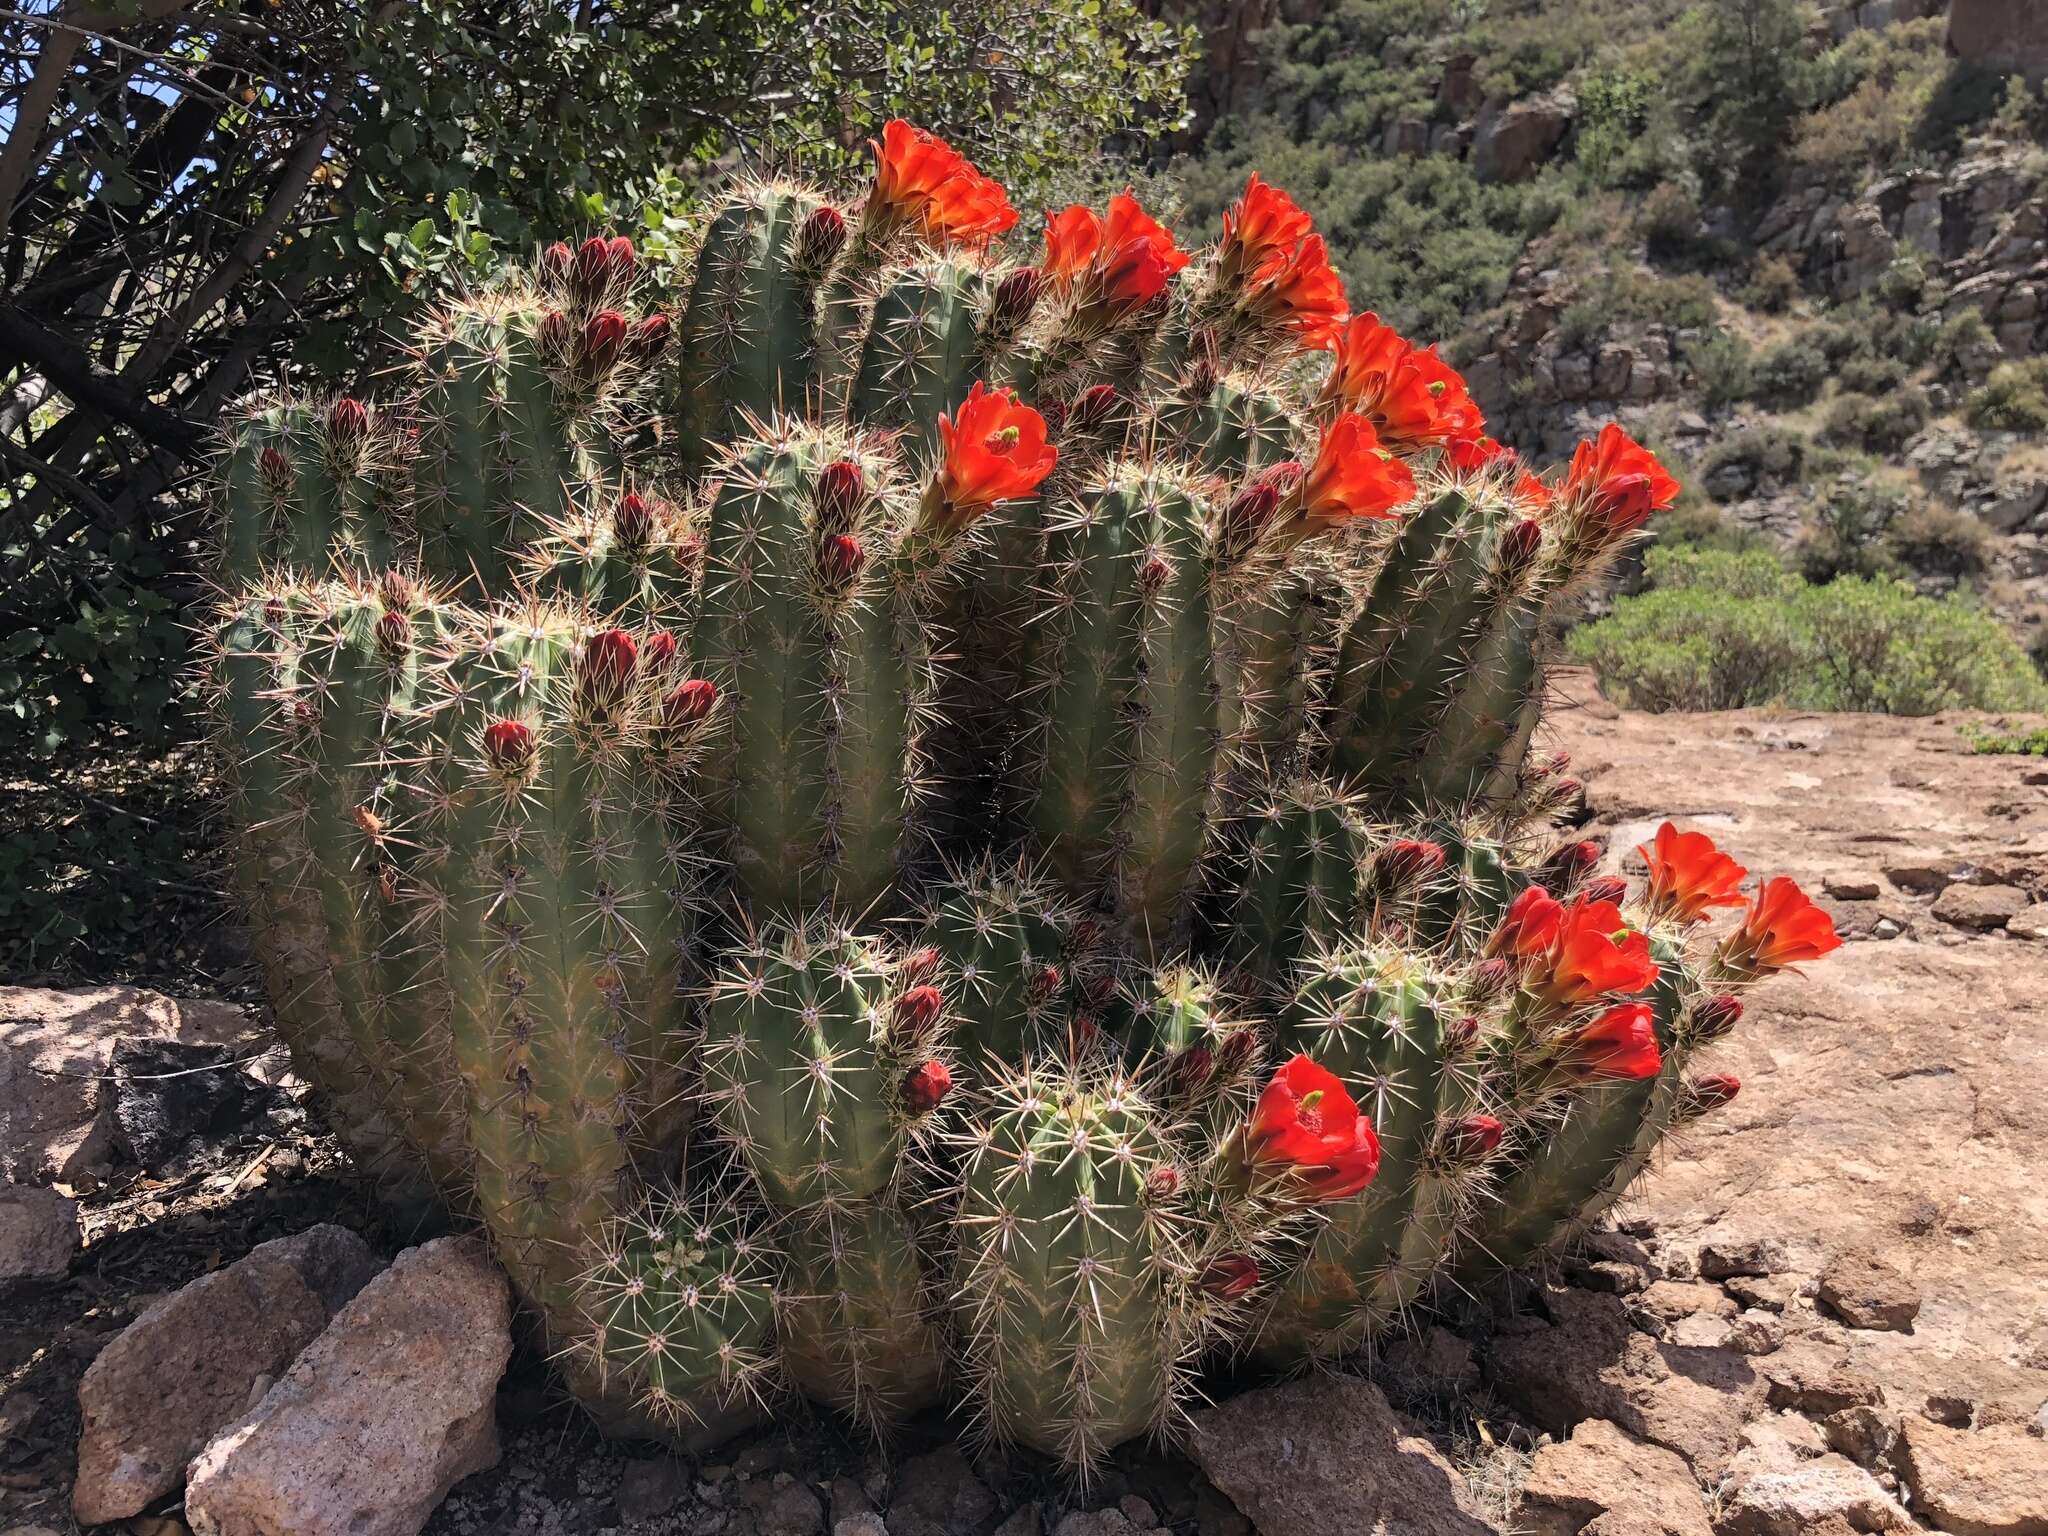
x=1803, y=251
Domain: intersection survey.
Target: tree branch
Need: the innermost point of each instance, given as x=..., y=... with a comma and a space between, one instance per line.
x=86, y=382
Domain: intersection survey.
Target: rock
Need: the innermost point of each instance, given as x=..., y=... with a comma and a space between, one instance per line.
x=188, y=1366
x=939, y=1495
x=1955, y=1412
x=2030, y=924
x=1815, y=1384
x=1436, y=1361
x=1023, y=1521
x=1863, y=1434
x=2006, y=37
x=849, y=1498
x=1675, y=1299
x=1137, y=1511
x=1601, y=1471
x=1795, y=1503
x=650, y=1489
x=1725, y=1258
x=1511, y=143
x=1755, y=1333
x=860, y=1525
x=1983, y=1482
x=54, y=1049
x=1326, y=1456
x=1098, y=1522
x=38, y=1233
x=782, y=1506
x=1850, y=887
x=365, y=1433
x=1919, y=877
x=1980, y=908
x=1866, y=1292
x=171, y=1098
x=1770, y=1293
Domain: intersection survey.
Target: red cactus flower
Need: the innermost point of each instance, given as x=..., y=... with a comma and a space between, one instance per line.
x=1307, y=1131
x=840, y=560
x=917, y=1010
x=918, y=967
x=1413, y=398
x=604, y=338
x=1596, y=954
x=659, y=653
x=348, y=422
x=1530, y=493
x=1531, y=926
x=1263, y=228
x=920, y=179
x=1616, y=483
x=1280, y=268
x=840, y=490
x=925, y=1086
x=1621, y=1043
x=1122, y=260
x=1407, y=861
x=508, y=744
x=819, y=240
x=1475, y=1138
x=995, y=449
x=1712, y=1091
x=609, y=659
x=1352, y=477
x=1305, y=295
x=688, y=702
x=1073, y=237
x=1715, y=1017
x=1689, y=876
x=1781, y=928
x=1469, y=455
x=1229, y=1276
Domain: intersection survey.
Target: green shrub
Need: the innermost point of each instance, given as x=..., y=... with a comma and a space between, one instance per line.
x=1870, y=375
x=1690, y=648
x=1966, y=345
x=1767, y=452
x=1694, y=522
x=1845, y=531
x=1878, y=646
x=1773, y=285
x=1669, y=222
x=2013, y=398
x=1878, y=423
x=1940, y=540
x=1723, y=572
x=1723, y=368
x=2032, y=743
x=1788, y=373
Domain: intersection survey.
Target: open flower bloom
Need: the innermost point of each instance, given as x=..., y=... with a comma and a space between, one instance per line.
x=1530, y=927
x=1307, y=1131
x=1689, y=876
x=1413, y=398
x=1596, y=953
x=1122, y=260
x=1621, y=1043
x=1781, y=928
x=921, y=179
x=1615, y=483
x=1263, y=229
x=1352, y=477
x=995, y=449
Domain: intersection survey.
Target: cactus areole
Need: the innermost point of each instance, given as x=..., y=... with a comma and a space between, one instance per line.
x=900, y=813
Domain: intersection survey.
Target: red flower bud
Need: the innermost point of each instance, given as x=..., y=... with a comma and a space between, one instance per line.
x=658, y=653
x=649, y=338
x=1406, y=862
x=595, y=267
x=604, y=338
x=1154, y=574
x=840, y=559
x=554, y=336
x=395, y=588
x=840, y=490
x=1083, y=1035
x=276, y=470
x=1248, y=514
x=1715, y=1017
x=1461, y=1034
x=688, y=702
x=1706, y=1093
x=924, y=1087
x=1605, y=888
x=1474, y=1138
x=508, y=744
x=348, y=422
x=1189, y=1071
x=1015, y=298
x=1041, y=984
x=917, y=1010
x=1573, y=860
x=632, y=520
x=608, y=662
x=1054, y=413
x=1162, y=1183
x=918, y=967
x=557, y=262
x=1229, y=1276
x=619, y=257
x=394, y=632
x=1235, y=1055
x=1519, y=547
x=819, y=239
x=1098, y=405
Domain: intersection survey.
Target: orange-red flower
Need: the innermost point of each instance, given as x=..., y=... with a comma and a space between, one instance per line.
x=1307, y=1130
x=1413, y=397
x=1072, y=237
x=1530, y=927
x=1617, y=483
x=1276, y=268
x=1621, y=1043
x=1782, y=927
x=1596, y=953
x=1353, y=476
x=921, y=179
x=995, y=449
x=1689, y=876
x=1468, y=454
x=1124, y=259
x=1264, y=228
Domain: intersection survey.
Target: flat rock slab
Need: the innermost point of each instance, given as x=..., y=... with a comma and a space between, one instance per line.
x=1982, y=1482
x=187, y=1368
x=54, y=1048
x=378, y=1418
x=38, y=1233
x=1603, y=1472
x=1866, y=1292
x=1326, y=1456
x=1828, y=1490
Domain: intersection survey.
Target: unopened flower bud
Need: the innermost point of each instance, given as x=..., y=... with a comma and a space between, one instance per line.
x=1041, y=984
x=1235, y=1055
x=555, y=335
x=1015, y=298
x=348, y=422
x=557, y=263
x=1154, y=574
x=1474, y=1138
x=394, y=632
x=1605, y=888
x=1229, y=1276
x=1713, y=1018
x=1083, y=1035
x=1519, y=547
x=918, y=967
x=619, y=258
x=819, y=239
x=633, y=520
x=1098, y=405
x=688, y=702
x=926, y=1086
x=1462, y=1033
x=841, y=489
x=1573, y=861
x=1162, y=1183
x=508, y=744
x=1405, y=862
x=1248, y=514
x=840, y=559
x=609, y=659
x=917, y=1010
x=276, y=471
x=648, y=337
x=604, y=338
x=1189, y=1071
x=658, y=653
x=396, y=590
x=594, y=267
x=1202, y=379
x=1709, y=1093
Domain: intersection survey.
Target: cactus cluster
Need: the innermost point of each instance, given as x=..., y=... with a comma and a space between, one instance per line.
x=938, y=828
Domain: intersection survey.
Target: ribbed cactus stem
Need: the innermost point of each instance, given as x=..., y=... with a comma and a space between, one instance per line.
x=922, y=349
x=1000, y=941
x=309, y=488
x=1303, y=881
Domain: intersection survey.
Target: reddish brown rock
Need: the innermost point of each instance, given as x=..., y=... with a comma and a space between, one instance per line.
x=1866, y=1292
x=1977, y=1482
x=1602, y=1473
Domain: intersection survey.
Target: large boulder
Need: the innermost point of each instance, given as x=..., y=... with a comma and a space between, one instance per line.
x=1982, y=1482
x=55, y=1045
x=1511, y=142
x=378, y=1418
x=1326, y=1456
x=38, y=1233
x=1601, y=1471
x=193, y=1364
x=2006, y=36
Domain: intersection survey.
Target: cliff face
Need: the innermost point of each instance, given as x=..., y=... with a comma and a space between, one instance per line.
x=2009, y=36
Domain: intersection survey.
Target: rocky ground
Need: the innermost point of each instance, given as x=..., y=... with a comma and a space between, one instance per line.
x=1827, y=1312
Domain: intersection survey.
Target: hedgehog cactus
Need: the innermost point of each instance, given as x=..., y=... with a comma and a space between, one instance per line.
x=930, y=828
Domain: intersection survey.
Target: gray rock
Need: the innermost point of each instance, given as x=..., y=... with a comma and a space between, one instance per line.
x=866, y=1524
x=187, y=1367
x=1850, y=887
x=1326, y=1456
x=1982, y=1482
x=2007, y=37
x=1725, y=1258
x=1866, y=1292
x=1862, y=1433
x=1511, y=143
x=939, y=1495
x=1601, y=1472
x=651, y=1488
x=1981, y=908
x=1098, y=1522
x=1792, y=1503
x=1023, y=1521
x=783, y=1506
x=172, y=1098
x=378, y=1418
x=1437, y=1360
x=2030, y=924
x=38, y=1233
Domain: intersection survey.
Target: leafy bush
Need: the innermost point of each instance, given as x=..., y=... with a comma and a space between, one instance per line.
x=1773, y=285
x=1730, y=634
x=1845, y=531
x=1878, y=423
x=1669, y=222
x=2032, y=743
x=1729, y=573
x=1788, y=373
x=1722, y=367
x=1694, y=522
x=2013, y=398
x=1936, y=539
